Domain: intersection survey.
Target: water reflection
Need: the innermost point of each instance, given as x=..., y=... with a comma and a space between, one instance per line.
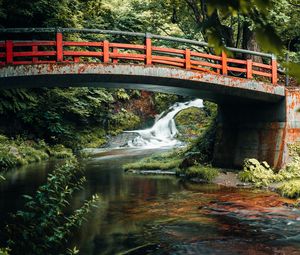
x=162, y=215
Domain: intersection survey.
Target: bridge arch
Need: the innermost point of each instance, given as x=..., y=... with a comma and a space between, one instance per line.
x=205, y=85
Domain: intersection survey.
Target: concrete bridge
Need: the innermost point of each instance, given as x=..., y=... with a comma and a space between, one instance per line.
x=257, y=116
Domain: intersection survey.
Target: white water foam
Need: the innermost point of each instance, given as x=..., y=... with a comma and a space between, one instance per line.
x=163, y=132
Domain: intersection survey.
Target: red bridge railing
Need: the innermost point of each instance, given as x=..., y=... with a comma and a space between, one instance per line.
x=22, y=52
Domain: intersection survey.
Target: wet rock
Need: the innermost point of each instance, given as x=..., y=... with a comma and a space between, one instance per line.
x=121, y=140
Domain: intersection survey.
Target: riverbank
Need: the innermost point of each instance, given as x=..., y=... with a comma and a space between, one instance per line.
x=18, y=152
x=193, y=162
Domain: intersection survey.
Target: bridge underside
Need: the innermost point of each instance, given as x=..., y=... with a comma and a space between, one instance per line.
x=208, y=86
x=256, y=119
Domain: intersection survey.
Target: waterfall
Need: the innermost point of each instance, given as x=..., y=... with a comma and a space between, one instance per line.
x=163, y=132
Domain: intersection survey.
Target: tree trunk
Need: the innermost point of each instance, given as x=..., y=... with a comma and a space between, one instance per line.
x=249, y=43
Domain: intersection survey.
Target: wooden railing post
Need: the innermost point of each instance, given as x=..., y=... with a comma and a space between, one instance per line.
x=34, y=50
x=249, y=69
x=105, y=51
x=224, y=63
x=59, y=47
x=148, y=60
x=9, y=48
x=187, y=59
x=115, y=52
x=274, y=70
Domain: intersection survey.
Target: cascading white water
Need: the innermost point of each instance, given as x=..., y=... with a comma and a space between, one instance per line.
x=163, y=132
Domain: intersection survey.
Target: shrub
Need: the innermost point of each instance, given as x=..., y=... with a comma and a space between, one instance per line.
x=4, y=251
x=261, y=174
x=43, y=227
x=290, y=189
x=258, y=173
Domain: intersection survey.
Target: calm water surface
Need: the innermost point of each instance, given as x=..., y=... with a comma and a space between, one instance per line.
x=163, y=215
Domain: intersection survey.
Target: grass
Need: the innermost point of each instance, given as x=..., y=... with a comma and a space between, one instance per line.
x=290, y=189
x=205, y=173
x=164, y=161
x=60, y=152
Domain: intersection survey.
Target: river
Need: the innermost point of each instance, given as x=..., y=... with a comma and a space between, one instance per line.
x=164, y=215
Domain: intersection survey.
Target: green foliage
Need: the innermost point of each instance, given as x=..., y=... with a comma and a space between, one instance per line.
x=258, y=173
x=17, y=152
x=261, y=174
x=15, y=100
x=90, y=138
x=69, y=115
x=207, y=174
x=121, y=94
x=43, y=226
x=123, y=120
x=4, y=251
x=164, y=101
x=290, y=189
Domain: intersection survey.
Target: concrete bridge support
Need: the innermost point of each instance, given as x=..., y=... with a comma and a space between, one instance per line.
x=257, y=130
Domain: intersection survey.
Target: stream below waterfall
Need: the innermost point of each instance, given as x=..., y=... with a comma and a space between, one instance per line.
x=163, y=215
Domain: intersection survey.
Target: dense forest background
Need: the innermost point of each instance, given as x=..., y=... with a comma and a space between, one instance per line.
x=80, y=117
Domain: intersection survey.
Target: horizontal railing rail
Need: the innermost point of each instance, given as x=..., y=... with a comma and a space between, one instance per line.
x=18, y=52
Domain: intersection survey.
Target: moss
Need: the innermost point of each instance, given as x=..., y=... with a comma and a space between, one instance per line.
x=207, y=174
x=191, y=123
x=190, y=116
x=290, y=189
x=200, y=151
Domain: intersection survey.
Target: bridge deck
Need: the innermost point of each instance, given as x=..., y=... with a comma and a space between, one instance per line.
x=193, y=56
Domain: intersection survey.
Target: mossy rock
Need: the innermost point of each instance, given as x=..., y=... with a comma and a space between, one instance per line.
x=191, y=123
x=190, y=116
